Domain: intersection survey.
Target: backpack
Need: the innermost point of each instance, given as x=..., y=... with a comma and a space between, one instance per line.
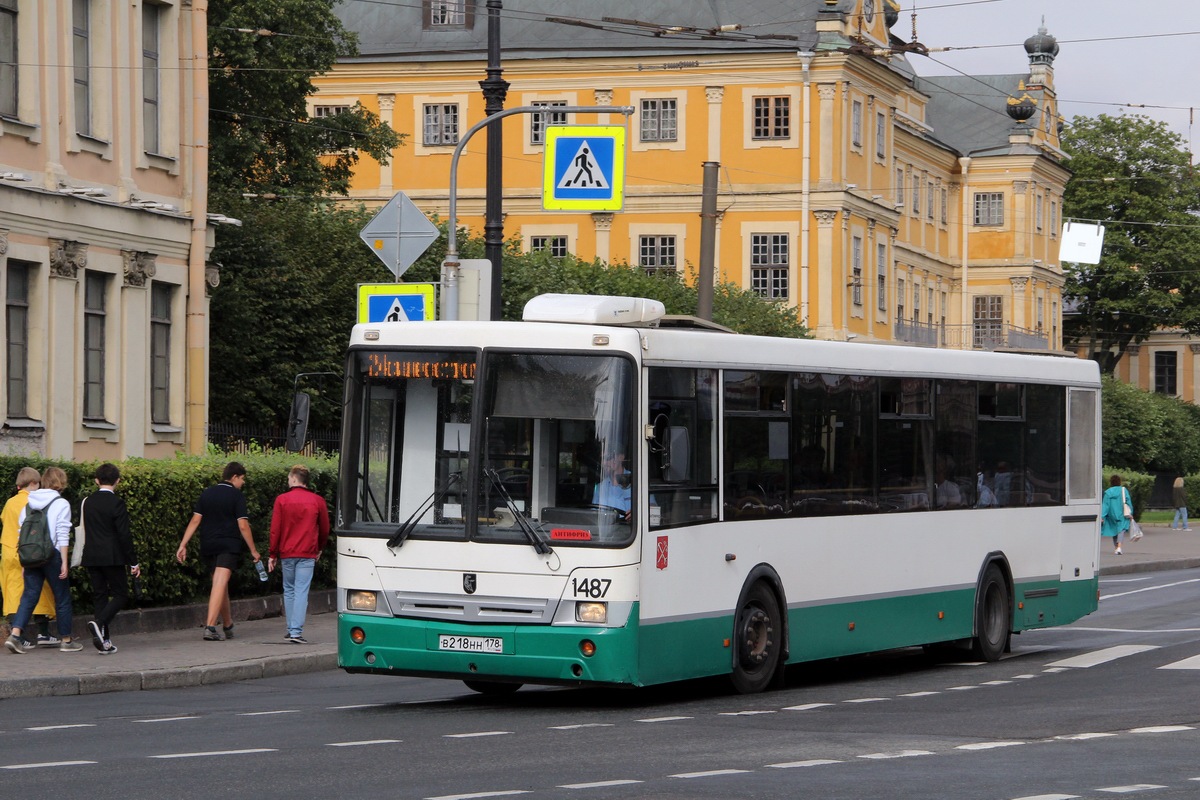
x=34, y=545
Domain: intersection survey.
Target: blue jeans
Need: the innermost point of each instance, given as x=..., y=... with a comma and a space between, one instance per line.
x=34, y=577
x=297, y=577
x=1180, y=512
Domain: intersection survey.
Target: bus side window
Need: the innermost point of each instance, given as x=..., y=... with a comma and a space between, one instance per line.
x=681, y=446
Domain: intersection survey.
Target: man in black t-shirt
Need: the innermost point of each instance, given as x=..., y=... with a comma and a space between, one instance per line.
x=221, y=517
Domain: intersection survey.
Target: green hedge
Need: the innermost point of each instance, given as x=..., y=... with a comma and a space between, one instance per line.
x=160, y=496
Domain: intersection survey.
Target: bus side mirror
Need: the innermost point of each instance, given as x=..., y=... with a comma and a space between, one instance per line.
x=297, y=429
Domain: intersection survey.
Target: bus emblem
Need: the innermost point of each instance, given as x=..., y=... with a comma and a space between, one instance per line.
x=469, y=582
x=660, y=560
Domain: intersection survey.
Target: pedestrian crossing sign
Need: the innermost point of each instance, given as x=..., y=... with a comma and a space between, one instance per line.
x=395, y=302
x=584, y=168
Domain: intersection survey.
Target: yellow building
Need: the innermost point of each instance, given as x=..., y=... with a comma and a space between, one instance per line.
x=880, y=205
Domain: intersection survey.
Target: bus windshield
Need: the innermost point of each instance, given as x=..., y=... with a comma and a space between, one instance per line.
x=463, y=444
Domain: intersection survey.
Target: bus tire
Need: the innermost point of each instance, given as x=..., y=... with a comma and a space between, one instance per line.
x=993, y=616
x=758, y=639
x=492, y=688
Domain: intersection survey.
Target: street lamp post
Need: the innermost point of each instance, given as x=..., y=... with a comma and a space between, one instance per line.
x=495, y=88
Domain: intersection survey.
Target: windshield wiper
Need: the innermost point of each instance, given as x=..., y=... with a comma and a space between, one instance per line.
x=523, y=522
x=435, y=497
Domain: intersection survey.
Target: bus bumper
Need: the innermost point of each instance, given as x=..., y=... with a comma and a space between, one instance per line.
x=530, y=653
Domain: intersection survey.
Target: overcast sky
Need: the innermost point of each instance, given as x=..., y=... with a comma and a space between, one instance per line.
x=1110, y=53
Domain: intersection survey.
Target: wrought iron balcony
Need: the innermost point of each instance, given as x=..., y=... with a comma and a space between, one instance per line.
x=980, y=336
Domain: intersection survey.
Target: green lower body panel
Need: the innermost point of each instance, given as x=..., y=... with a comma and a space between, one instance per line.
x=530, y=653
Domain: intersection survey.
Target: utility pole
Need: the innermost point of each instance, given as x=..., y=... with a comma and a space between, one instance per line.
x=495, y=88
x=708, y=241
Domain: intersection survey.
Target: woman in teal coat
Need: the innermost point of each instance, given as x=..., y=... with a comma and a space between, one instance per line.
x=1113, y=522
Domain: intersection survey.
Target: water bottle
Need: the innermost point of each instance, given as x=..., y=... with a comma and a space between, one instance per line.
x=262, y=570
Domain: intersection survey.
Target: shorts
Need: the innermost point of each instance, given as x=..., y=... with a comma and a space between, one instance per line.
x=227, y=560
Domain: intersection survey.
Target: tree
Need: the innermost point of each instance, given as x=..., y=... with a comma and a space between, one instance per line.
x=1135, y=176
x=262, y=57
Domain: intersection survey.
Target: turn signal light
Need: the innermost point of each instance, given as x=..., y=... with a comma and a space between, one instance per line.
x=358, y=635
x=587, y=647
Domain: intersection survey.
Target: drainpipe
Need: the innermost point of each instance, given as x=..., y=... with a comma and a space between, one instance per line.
x=965, y=163
x=196, y=413
x=806, y=58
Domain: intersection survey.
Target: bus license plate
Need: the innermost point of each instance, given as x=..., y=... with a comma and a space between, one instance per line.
x=471, y=644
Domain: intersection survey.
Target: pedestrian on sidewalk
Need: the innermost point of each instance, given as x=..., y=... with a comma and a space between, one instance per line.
x=12, y=575
x=58, y=514
x=1179, y=500
x=224, y=524
x=107, y=550
x=1113, y=522
x=299, y=530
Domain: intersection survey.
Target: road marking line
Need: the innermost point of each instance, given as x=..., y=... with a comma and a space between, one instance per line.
x=356, y=705
x=1187, y=663
x=662, y=719
x=919, y=694
x=218, y=753
x=166, y=719
x=474, y=795
x=987, y=745
x=743, y=713
x=1162, y=729
x=813, y=762
x=712, y=773
x=1132, y=630
x=1048, y=797
x=1081, y=737
x=363, y=742
x=581, y=725
x=960, y=688
x=996, y=683
x=268, y=713
x=898, y=754
x=1023, y=677
x=1053, y=670
x=807, y=707
x=1149, y=589
x=1103, y=656
x=47, y=764
x=1136, y=787
x=596, y=784
x=867, y=700
x=62, y=727
x=475, y=735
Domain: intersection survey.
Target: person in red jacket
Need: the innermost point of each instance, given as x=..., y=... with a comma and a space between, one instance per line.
x=299, y=530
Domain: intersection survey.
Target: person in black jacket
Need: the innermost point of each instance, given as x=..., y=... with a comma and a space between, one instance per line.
x=107, y=550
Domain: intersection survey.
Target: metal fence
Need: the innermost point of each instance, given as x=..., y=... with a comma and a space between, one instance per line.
x=247, y=438
x=989, y=336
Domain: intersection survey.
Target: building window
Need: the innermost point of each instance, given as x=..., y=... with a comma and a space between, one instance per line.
x=659, y=120
x=916, y=302
x=769, y=259
x=327, y=111
x=899, y=299
x=94, y=313
x=538, y=122
x=929, y=198
x=856, y=277
x=447, y=14
x=8, y=58
x=945, y=204
x=81, y=47
x=160, y=353
x=989, y=321
x=1041, y=314
x=1165, y=364
x=16, y=330
x=553, y=245
x=1053, y=219
x=989, y=208
x=772, y=118
x=856, y=123
x=916, y=194
x=150, y=77
x=899, y=186
x=945, y=302
x=881, y=276
x=929, y=306
x=656, y=253
x=1053, y=323
x=880, y=135
x=1037, y=211
x=441, y=124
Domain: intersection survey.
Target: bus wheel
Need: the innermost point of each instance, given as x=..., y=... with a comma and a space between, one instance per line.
x=492, y=688
x=992, y=611
x=757, y=635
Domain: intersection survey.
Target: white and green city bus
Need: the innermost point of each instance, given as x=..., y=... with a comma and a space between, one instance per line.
x=603, y=495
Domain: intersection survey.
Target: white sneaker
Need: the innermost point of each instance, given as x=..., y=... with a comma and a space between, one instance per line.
x=1117, y=551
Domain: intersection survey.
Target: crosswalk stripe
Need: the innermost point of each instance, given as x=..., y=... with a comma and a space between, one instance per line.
x=1103, y=656
x=1187, y=663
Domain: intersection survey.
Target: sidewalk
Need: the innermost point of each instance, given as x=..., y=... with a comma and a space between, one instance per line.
x=164, y=648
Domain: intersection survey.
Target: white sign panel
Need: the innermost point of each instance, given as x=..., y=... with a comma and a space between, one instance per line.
x=1081, y=242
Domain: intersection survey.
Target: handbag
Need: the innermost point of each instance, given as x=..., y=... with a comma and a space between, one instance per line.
x=1125, y=504
x=1135, y=530
x=80, y=535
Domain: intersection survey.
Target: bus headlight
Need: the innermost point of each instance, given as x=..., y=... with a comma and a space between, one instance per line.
x=357, y=600
x=594, y=613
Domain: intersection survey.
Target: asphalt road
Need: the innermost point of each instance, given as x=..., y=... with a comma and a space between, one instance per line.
x=1107, y=707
